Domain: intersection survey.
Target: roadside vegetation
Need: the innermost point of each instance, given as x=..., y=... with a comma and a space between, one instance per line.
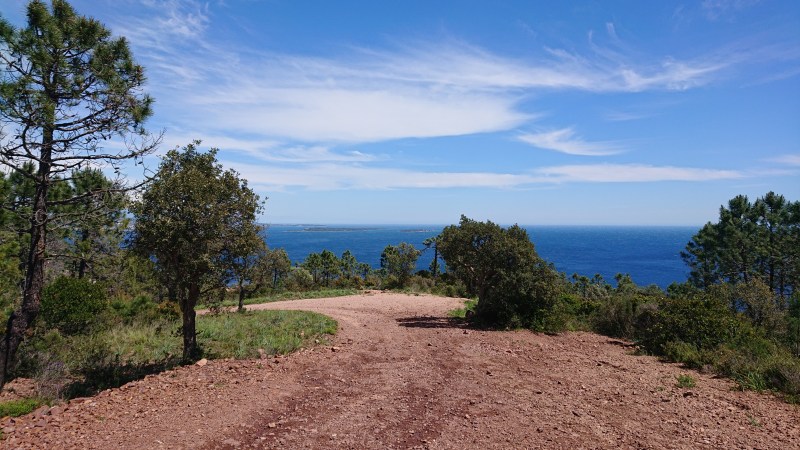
x=738, y=314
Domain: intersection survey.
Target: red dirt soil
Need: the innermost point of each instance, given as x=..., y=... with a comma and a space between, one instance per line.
x=400, y=374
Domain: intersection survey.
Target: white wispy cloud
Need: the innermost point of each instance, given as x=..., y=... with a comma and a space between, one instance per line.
x=789, y=159
x=269, y=150
x=566, y=141
x=422, y=93
x=725, y=9
x=338, y=176
x=633, y=173
x=365, y=94
x=320, y=114
x=344, y=176
x=164, y=22
x=291, y=113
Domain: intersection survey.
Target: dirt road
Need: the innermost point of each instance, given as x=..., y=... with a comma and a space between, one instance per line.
x=401, y=375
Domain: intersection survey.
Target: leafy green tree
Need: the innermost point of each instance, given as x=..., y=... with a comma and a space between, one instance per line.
x=10, y=274
x=65, y=86
x=477, y=252
x=399, y=261
x=514, y=286
x=186, y=221
x=755, y=301
x=133, y=275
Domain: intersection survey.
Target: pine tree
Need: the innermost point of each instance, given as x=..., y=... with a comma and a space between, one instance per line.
x=66, y=85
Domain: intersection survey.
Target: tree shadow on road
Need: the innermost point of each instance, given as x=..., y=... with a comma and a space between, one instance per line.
x=432, y=322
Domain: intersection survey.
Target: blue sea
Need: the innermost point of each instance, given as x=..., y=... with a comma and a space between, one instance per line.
x=651, y=255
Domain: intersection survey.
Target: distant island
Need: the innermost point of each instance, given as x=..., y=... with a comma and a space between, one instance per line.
x=335, y=229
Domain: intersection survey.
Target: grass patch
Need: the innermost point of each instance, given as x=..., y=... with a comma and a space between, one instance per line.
x=16, y=408
x=290, y=295
x=228, y=335
x=461, y=313
x=685, y=381
x=75, y=366
x=276, y=332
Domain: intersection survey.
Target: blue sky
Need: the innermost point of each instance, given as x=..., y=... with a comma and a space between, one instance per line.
x=530, y=112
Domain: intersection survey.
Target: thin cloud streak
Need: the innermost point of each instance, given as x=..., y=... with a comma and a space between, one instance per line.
x=789, y=160
x=358, y=177
x=634, y=173
x=271, y=150
x=565, y=141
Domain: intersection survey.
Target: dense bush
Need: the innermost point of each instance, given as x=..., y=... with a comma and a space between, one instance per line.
x=143, y=309
x=703, y=322
x=522, y=297
x=618, y=315
x=514, y=286
x=300, y=279
x=72, y=305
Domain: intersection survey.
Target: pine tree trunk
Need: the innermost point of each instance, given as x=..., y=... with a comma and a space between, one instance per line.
x=21, y=319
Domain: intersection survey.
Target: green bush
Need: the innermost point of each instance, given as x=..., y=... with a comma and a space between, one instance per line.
x=521, y=298
x=758, y=363
x=618, y=315
x=144, y=309
x=702, y=322
x=72, y=305
x=299, y=279
x=688, y=354
x=703, y=331
x=570, y=312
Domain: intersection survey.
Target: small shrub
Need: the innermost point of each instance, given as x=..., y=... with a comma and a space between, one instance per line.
x=16, y=408
x=418, y=283
x=72, y=305
x=467, y=310
x=685, y=381
x=686, y=353
x=521, y=299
